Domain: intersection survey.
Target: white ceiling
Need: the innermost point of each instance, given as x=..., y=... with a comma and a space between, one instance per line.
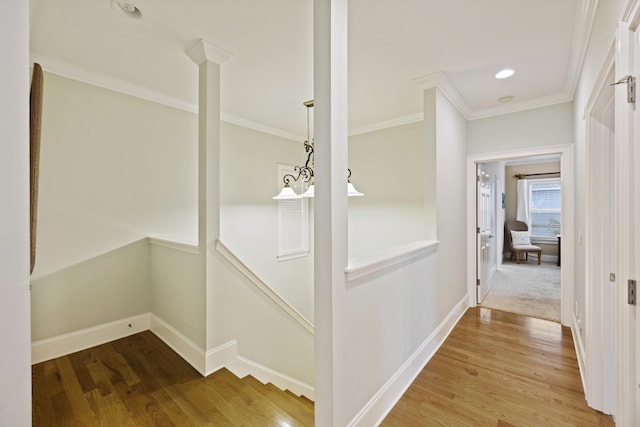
x=393, y=45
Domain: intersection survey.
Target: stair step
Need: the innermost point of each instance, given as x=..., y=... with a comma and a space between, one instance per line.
x=298, y=407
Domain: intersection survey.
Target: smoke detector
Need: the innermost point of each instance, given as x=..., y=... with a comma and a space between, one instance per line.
x=126, y=8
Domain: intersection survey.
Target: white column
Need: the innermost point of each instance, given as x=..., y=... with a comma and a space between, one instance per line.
x=429, y=125
x=15, y=330
x=209, y=58
x=331, y=138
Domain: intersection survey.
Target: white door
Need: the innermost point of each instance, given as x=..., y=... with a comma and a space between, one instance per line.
x=627, y=164
x=600, y=251
x=484, y=237
x=634, y=178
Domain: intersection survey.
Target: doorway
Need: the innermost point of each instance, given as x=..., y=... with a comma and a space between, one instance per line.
x=565, y=154
x=527, y=190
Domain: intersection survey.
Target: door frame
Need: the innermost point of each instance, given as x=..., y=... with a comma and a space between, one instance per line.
x=600, y=391
x=567, y=184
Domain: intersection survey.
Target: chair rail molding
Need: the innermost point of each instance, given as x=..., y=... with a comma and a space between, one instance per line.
x=362, y=267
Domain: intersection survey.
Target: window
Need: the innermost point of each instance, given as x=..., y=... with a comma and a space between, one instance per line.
x=544, y=208
x=293, y=221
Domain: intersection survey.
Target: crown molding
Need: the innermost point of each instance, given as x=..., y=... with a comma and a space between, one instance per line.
x=64, y=69
x=452, y=94
x=585, y=17
x=631, y=14
x=441, y=81
x=386, y=124
x=205, y=51
x=545, y=101
x=260, y=127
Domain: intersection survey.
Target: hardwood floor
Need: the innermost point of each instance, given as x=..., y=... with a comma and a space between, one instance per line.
x=499, y=369
x=139, y=381
x=495, y=369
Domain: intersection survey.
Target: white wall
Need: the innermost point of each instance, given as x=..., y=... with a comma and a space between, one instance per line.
x=451, y=203
x=114, y=169
x=265, y=334
x=540, y=127
x=99, y=290
x=15, y=357
x=177, y=291
x=249, y=215
x=386, y=318
x=388, y=167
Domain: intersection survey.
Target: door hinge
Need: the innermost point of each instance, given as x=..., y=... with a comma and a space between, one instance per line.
x=631, y=300
x=478, y=230
x=477, y=282
x=612, y=277
x=631, y=87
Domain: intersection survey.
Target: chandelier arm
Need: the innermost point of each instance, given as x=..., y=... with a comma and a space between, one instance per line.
x=287, y=178
x=308, y=148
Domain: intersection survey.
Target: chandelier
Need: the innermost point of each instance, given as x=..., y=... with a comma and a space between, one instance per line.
x=305, y=173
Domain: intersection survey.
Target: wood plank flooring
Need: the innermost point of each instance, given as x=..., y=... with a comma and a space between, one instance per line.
x=499, y=369
x=140, y=381
x=495, y=369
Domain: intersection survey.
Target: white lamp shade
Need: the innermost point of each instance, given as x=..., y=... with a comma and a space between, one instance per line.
x=287, y=193
x=351, y=190
x=310, y=191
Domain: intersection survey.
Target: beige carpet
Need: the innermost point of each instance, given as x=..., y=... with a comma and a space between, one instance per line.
x=528, y=288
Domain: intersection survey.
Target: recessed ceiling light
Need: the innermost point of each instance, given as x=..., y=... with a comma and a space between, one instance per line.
x=505, y=99
x=127, y=8
x=503, y=74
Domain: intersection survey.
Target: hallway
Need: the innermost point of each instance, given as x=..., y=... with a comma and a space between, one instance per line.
x=499, y=369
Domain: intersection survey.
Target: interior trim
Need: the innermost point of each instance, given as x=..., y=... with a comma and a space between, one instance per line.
x=61, y=345
x=358, y=268
x=262, y=286
x=579, y=346
x=567, y=249
x=241, y=367
x=183, y=247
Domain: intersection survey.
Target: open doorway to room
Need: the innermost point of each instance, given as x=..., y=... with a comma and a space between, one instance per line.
x=523, y=220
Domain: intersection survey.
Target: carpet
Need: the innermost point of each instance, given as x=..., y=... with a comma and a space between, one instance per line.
x=527, y=288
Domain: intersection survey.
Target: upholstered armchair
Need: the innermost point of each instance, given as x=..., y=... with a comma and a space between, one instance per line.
x=520, y=240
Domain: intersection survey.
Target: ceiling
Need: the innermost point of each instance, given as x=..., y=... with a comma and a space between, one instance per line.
x=394, y=48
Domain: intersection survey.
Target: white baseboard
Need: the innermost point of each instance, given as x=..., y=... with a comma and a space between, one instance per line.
x=192, y=353
x=51, y=348
x=242, y=367
x=386, y=398
x=221, y=357
x=580, y=353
